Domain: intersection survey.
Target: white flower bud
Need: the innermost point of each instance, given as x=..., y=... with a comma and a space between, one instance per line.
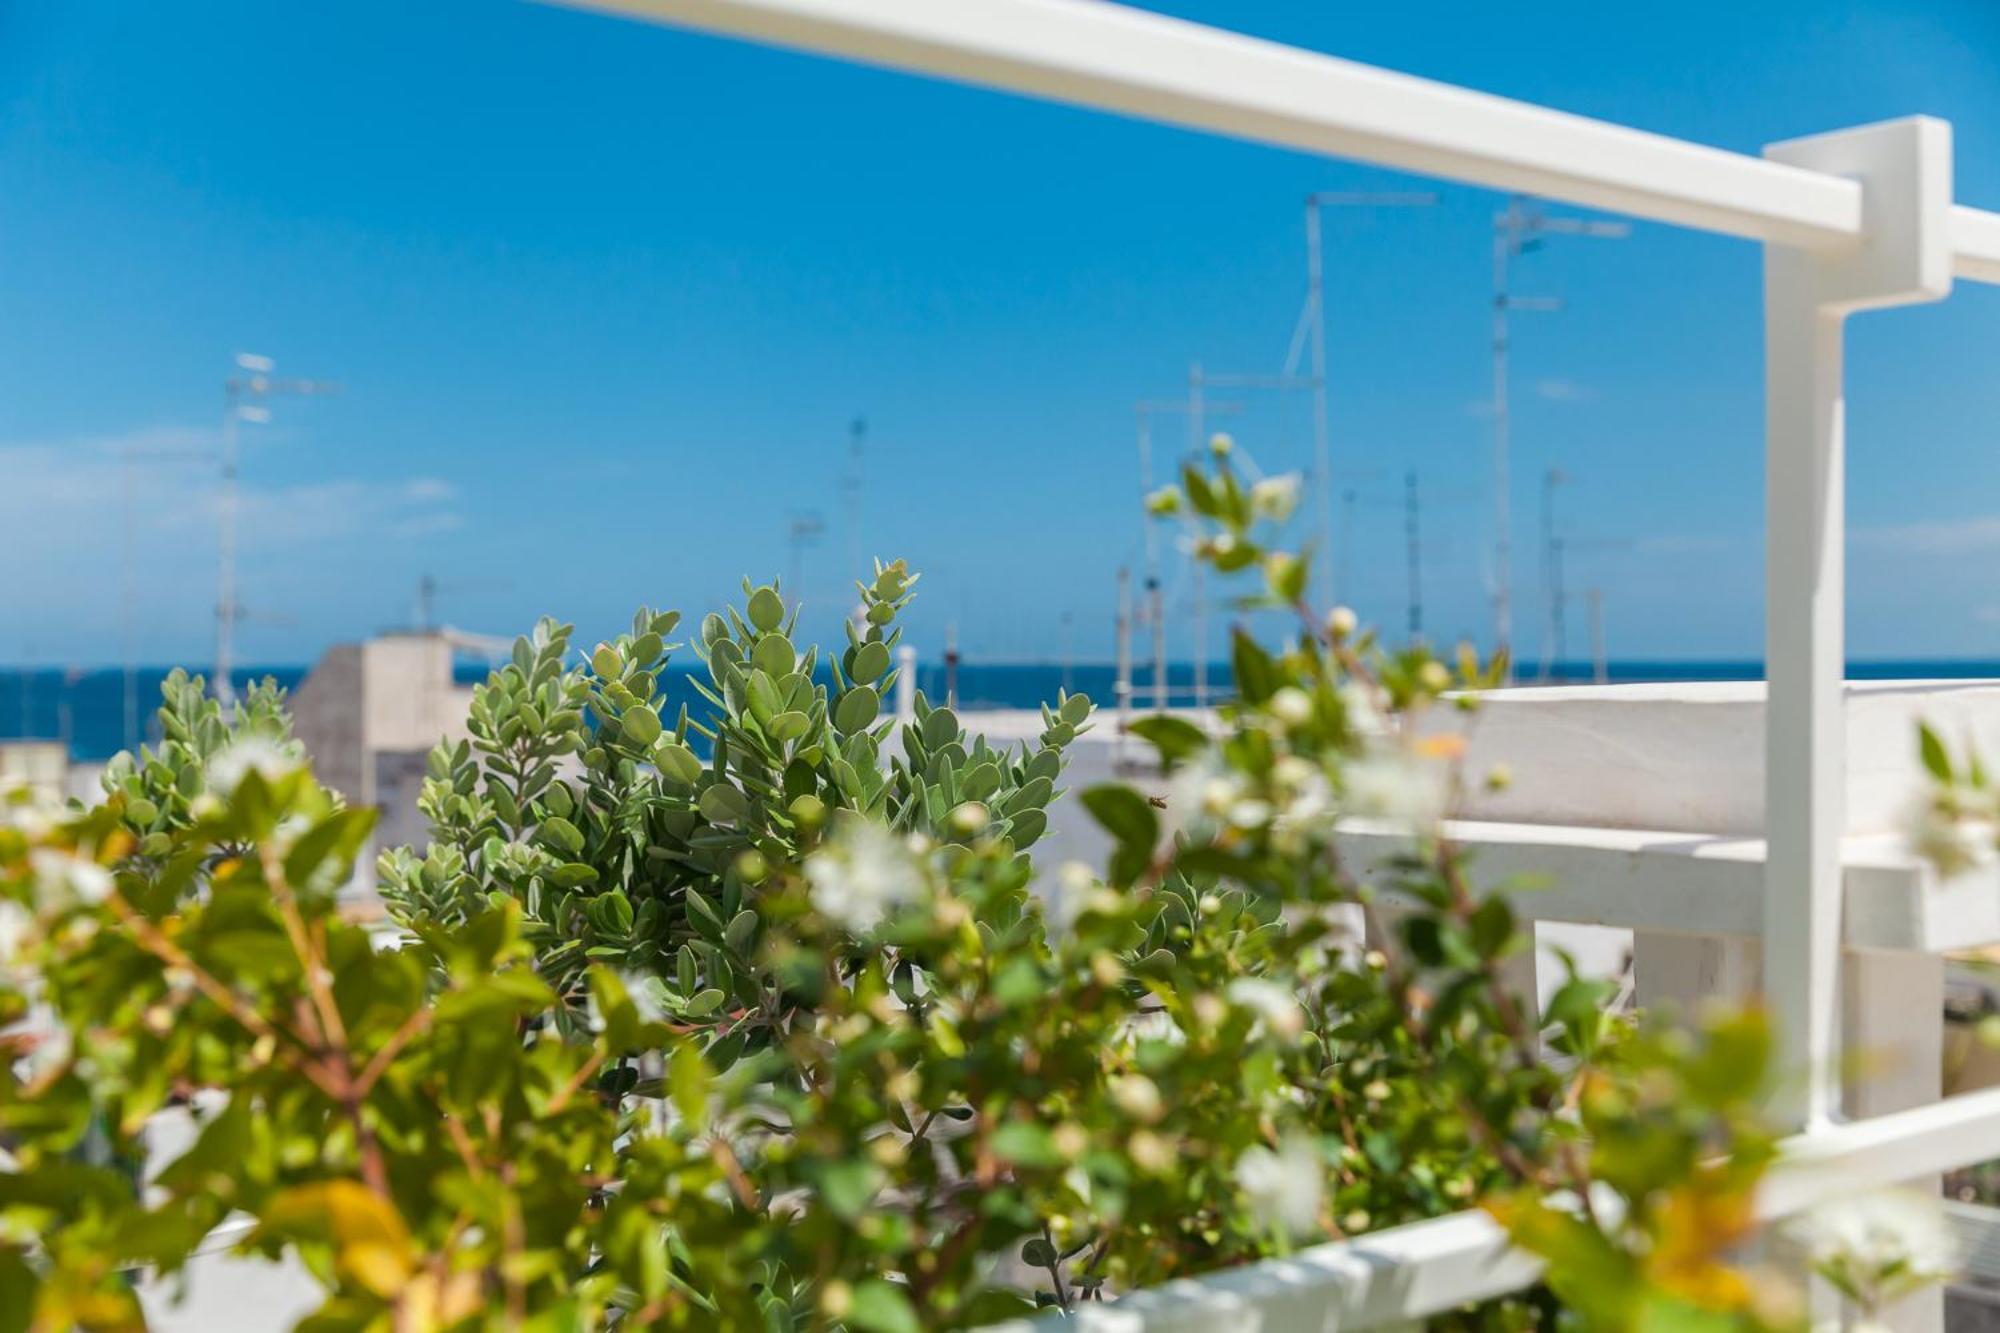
x=1292, y=706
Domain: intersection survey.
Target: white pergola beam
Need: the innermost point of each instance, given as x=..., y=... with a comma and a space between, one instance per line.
x=1113, y=58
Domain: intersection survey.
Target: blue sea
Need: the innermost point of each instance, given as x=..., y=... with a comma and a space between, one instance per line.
x=86, y=708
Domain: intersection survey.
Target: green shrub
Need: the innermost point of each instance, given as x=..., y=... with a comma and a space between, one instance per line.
x=780, y=1036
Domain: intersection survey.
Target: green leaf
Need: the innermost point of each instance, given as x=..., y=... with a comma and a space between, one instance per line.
x=788, y=726
x=774, y=656
x=1257, y=676
x=881, y=1307
x=676, y=761
x=871, y=659
x=1025, y=1143
x=857, y=709
x=563, y=833
x=849, y=1186
x=940, y=728
x=724, y=804
x=742, y=931
x=641, y=725
x=1038, y=1253
x=767, y=609
x=18, y=1285
x=1176, y=738
x=688, y=1080
x=1124, y=813
x=1936, y=759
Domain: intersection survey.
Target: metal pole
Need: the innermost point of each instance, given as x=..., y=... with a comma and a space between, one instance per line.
x=129, y=599
x=1601, y=667
x=1155, y=608
x=258, y=384
x=1413, y=555
x=225, y=599
x=1200, y=637
x=1506, y=231
x=1551, y=574
x=951, y=665
x=1348, y=499
x=1558, y=618
x=1068, y=652
x=1195, y=423
x=1315, y=318
x=1322, y=442
x=857, y=436
x=1122, y=687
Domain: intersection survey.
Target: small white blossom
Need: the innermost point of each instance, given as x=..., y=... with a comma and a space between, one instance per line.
x=269, y=758
x=1139, y=1097
x=864, y=873
x=1250, y=814
x=1275, y=497
x=1292, y=706
x=1218, y=794
x=648, y=996
x=51, y=1050
x=1308, y=805
x=1154, y=1025
x=17, y=926
x=1361, y=710
x=1879, y=1247
x=1284, y=1189
x=1072, y=890
x=1397, y=787
x=1341, y=622
x=1276, y=1008
x=1949, y=838
x=63, y=878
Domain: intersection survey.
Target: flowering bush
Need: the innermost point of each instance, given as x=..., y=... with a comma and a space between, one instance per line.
x=779, y=1036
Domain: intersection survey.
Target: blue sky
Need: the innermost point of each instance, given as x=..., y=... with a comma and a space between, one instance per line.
x=603, y=299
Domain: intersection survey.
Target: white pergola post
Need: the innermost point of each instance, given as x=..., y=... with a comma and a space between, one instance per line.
x=1904, y=256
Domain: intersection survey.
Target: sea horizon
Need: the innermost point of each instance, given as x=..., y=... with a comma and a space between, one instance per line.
x=85, y=707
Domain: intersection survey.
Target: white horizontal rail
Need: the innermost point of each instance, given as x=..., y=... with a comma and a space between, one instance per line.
x=1975, y=238
x=1114, y=58
x=1392, y=1276
x=1426, y=1268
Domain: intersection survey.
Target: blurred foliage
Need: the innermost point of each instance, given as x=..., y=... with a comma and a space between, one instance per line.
x=761, y=1019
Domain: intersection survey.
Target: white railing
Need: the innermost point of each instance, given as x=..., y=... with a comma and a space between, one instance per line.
x=1851, y=221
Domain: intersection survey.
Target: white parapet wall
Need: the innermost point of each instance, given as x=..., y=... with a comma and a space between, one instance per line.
x=1690, y=756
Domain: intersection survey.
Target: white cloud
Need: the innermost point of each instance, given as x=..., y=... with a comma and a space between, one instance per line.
x=70, y=511
x=74, y=495
x=1564, y=391
x=1683, y=543
x=1948, y=536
